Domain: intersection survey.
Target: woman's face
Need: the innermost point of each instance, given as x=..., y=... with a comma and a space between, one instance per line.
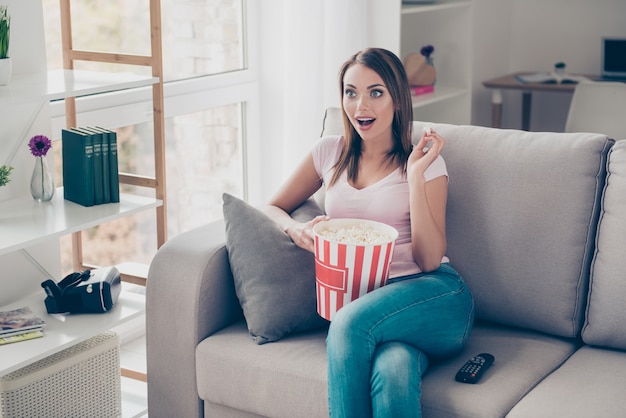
x=368, y=103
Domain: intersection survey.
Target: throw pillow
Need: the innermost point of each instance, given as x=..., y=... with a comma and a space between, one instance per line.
x=274, y=278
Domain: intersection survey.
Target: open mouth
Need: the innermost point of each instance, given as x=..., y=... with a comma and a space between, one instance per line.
x=365, y=121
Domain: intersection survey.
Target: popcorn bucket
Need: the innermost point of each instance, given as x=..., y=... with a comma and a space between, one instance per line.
x=352, y=258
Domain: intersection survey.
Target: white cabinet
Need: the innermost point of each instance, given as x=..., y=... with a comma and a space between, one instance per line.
x=445, y=24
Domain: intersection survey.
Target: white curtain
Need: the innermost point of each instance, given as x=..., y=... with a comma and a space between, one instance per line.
x=302, y=45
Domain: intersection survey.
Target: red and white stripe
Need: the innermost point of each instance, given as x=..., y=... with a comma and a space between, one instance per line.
x=345, y=272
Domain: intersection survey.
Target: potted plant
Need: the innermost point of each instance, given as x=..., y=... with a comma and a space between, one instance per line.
x=5, y=32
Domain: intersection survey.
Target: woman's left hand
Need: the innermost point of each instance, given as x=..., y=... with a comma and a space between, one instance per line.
x=424, y=153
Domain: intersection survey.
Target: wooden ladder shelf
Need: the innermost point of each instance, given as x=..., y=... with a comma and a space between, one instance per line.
x=155, y=61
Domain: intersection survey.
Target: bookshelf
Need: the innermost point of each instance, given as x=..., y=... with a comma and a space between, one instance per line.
x=25, y=223
x=445, y=24
x=30, y=231
x=155, y=62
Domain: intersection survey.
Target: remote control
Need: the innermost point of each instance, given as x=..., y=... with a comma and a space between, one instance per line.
x=474, y=368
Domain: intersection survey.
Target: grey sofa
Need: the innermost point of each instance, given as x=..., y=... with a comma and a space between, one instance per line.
x=537, y=227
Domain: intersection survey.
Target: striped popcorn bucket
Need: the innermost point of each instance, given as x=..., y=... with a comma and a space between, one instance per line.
x=346, y=266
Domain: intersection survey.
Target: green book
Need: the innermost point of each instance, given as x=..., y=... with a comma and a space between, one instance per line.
x=78, y=179
x=101, y=170
x=98, y=181
x=114, y=177
x=106, y=176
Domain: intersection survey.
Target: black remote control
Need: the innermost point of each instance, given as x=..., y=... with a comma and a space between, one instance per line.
x=474, y=368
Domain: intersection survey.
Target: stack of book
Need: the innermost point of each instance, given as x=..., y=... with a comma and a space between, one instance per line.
x=20, y=325
x=90, y=168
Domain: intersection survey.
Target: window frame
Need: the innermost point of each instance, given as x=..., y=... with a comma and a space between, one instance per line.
x=134, y=106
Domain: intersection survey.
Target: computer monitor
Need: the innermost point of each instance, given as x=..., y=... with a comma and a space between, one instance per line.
x=614, y=57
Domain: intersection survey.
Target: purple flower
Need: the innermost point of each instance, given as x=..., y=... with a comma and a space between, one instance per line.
x=39, y=145
x=427, y=50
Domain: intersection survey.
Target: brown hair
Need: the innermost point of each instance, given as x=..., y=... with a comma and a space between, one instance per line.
x=389, y=67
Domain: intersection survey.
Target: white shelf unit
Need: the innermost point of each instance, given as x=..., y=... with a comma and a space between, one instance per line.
x=25, y=223
x=445, y=24
x=154, y=62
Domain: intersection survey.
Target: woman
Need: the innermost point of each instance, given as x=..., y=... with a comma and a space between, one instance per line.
x=379, y=345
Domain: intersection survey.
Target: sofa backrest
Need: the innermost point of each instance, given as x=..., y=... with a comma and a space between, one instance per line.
x=605, y=323
x=521, y=221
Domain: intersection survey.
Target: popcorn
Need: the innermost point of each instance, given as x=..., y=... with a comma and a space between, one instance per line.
x=357, y=235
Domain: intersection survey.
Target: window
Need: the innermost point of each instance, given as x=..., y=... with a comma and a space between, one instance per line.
x=210, y=103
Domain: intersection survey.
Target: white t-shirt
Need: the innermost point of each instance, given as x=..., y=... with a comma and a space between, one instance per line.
x=385, y=201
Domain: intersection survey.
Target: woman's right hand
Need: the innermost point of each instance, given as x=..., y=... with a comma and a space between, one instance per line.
x=419, y=160
x=301, y=233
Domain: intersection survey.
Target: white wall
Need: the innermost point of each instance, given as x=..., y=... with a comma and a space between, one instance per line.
x=508, y=36
x=516, y=35
x=302, y=46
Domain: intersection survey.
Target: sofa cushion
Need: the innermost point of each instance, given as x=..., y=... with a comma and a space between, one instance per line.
x=523, y=358
x=274, y=279
x=605, y=324
x=591, y=383
x=272, y=380
x=521, y=221
x=294, y=371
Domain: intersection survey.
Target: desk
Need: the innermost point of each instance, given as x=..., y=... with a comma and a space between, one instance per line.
x=509, y=82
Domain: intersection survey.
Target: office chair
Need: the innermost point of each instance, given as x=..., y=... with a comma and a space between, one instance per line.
x=598, y=107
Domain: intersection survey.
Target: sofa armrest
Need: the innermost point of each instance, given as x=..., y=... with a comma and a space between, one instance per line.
x=190, y=295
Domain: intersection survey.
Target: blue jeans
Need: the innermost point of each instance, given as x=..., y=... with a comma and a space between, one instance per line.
x=378, y=345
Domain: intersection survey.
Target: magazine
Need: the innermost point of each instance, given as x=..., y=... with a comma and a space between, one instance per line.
x=24, y=336
x=19, y=321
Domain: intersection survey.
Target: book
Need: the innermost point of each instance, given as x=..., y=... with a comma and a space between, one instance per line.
x=102, y=187
x=18, y=321
x=418, y=90
x=78, y=167
x=114, y=178
x=98, y=181
x=29, y=335
x=550, y=78
x=106, y=176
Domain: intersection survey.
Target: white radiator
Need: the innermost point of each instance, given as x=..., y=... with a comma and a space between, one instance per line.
x=80, y=381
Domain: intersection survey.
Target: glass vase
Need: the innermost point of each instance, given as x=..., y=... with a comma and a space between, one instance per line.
x=41, y=182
